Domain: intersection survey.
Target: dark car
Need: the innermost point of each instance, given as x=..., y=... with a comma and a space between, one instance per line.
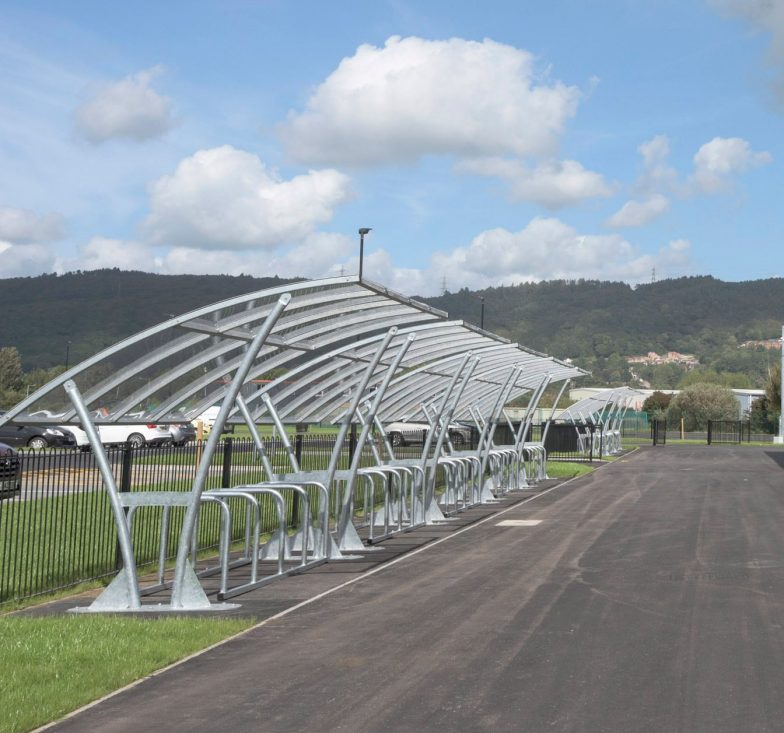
x=182, y=433
x=35, y=436
x=10, y=472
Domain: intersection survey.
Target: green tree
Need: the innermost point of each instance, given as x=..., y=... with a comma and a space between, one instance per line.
x=656, y=405
x=765, y=411
x=701, y=402
x=773, y=388
x=11, y=375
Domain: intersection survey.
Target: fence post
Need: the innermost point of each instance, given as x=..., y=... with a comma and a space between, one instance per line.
x=352, y=443
x=298, y=449
x=710, y=425
x=298, y=457
x=228, y=452
x=126, y=466
x=590, y=450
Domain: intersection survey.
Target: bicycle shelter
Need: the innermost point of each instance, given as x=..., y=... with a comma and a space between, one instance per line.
x=339, y=351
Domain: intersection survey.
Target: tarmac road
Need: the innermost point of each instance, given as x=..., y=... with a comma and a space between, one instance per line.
x=650, y=597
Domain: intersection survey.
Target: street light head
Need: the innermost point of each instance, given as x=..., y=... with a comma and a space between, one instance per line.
x=365, y=230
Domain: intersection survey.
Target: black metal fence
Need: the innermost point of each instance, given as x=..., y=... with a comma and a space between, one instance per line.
x=59, y=531
x=659, y=432
x=729, y=431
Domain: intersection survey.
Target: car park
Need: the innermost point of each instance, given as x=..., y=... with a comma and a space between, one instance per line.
x=413, y=433
x=10, y=472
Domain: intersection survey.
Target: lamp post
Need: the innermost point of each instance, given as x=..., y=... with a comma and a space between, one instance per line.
x=362, y=232
x=482, y=312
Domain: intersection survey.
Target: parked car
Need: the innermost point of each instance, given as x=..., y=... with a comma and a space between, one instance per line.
x=10, y=472
x=182, y=433
x=207, y=418
x=413, y=433
x=34, y=436
x=137, y=436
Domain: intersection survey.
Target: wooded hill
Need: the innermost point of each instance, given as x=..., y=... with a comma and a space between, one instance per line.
x=596, y=323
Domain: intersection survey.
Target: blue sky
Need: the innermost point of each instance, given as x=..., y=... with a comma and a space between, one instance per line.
x=485, y=143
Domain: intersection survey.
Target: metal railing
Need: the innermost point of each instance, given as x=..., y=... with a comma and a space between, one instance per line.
x=59, y=532
x=728, y=431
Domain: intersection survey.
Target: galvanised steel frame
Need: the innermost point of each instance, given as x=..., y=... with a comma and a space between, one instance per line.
x=336, y=350
x=605, y=409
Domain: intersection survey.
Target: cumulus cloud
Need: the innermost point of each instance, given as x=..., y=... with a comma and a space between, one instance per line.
x=224, y=198
x=545, y=249
x=318, y=255
x=22, y=226
x=552, y=184
x=716, y=164
x=718, y=160
x=103, y=252
x=638, y=213
x=657, y=174
x=415, y=97
x=129, y=109
x=25, y=259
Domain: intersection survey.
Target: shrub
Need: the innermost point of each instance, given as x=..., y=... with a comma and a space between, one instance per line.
x=701, y=402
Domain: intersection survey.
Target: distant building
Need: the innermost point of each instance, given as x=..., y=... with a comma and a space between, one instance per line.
x=671, y=357
x=761, y=344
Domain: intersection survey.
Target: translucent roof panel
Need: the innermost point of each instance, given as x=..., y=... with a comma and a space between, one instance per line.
x=175, y=370
x=593, y=405
x=309, y=367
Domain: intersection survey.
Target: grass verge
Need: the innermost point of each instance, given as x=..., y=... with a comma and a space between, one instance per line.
x=566, y=470
x=52, y=666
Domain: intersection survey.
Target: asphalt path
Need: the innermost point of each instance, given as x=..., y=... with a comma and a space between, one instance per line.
x=648, y=597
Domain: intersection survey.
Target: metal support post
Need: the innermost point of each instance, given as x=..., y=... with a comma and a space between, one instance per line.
x=344, y=519
x=186, y=591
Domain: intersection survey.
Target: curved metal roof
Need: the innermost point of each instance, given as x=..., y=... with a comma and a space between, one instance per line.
x=315, y=356
x=594, y=405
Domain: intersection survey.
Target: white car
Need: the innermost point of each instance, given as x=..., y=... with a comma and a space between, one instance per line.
x=207, y=418
x=135, y=436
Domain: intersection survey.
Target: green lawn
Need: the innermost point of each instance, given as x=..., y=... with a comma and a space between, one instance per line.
x=566, y=470
x=54, y=665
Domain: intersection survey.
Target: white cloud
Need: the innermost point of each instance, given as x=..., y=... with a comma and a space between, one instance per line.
x=129, y=108
x=718, y=160
x=22, y=226
x=224, y=198
x=552, y=184
x=27, y=259
x=415, y=97
x=319, y=255
x=104, y=252
x=546, y=249
x=638, y=213
x=658, y=175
